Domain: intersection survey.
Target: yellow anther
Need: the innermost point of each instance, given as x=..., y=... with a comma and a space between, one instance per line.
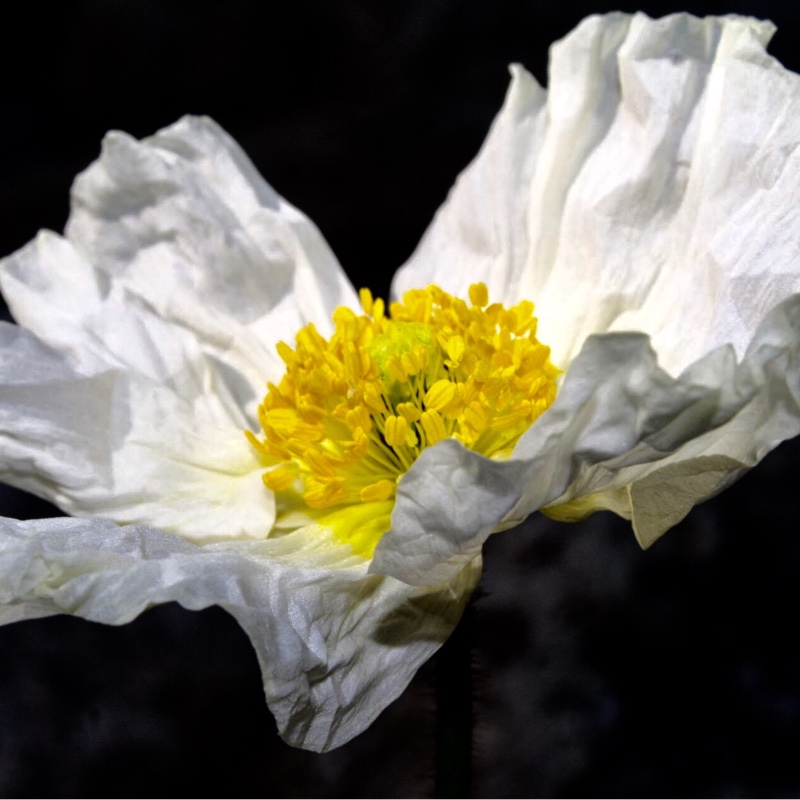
x=286, y=353
x=412, y=440
x=439, y=395
x=359, y=418
x=286, y=423
x=353, y=412
x=433, y=425
x=310, y=409
x=456, y=404
x=455, y=349
x=353, y=361
x=395, y=431
x=308, y=338
x=344, y=316
x=492, y=313
x=478, y=294
x=374, y=399
x=280, y=478
x=382, y=490
x=324, y=496
x=367, y=303
x=256, y=443
x=525, y=319
x=502, y=358
x=409, y=411
x=358, y=447
x=323, y=464
x=269, y=450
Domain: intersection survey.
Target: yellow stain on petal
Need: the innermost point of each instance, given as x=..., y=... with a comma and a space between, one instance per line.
x=353, y=412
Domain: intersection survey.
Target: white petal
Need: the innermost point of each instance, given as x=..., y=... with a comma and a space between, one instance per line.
x=622, y=434
x=182, y=270
x=180, y=227
x=55, y=424
x=335, y=645
x=119, y=444
x=733, y=415
x=185, y=221
x=56, y=293
x=656, y=189
x=447, y=505
x=481, y=233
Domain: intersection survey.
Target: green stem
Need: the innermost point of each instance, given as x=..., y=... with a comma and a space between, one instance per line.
x=454, y=712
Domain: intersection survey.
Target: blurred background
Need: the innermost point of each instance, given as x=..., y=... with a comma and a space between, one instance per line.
x=600, y=670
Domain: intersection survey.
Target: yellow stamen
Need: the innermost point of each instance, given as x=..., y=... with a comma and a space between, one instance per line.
x=352, y=413
x=409, y=411
x=479, y=294
x=382, y=490
x=455, y=349
x=395, y=431
x=367, y=303
x=433, y=426
x=280, y=478
x=439, y=395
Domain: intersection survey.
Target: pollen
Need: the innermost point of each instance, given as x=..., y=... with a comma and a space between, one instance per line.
x=353, y=412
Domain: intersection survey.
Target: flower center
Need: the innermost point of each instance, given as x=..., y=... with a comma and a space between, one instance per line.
x=354, y=412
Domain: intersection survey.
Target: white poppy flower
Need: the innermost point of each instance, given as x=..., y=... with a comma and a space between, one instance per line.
x=646, y=203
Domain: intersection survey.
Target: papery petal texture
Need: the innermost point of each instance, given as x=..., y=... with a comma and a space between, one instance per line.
x=180, y=271
x=183, y=223
x=335, y=645
x=646, y=202
x=652, y=188
x=119, y=444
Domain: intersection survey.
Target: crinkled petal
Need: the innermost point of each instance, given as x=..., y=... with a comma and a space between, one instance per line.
x=54, y=422
x=55, y=292
x=482, y=232
x=179, y=240
x=736, y=415
x=335, y=644
x=654, y=189
x=118, y=444
x=622, y=434
x=180, y=271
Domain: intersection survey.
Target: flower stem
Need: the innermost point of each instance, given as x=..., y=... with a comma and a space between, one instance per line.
x=454, y=712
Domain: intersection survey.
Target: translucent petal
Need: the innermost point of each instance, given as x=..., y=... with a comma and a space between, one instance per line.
x=652, y=188
x=180, y=271
x=181, y=227
x=125, y=446
x=335, y=644
x=56, y=293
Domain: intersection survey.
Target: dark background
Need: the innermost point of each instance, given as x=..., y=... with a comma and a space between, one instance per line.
x=600, y=670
